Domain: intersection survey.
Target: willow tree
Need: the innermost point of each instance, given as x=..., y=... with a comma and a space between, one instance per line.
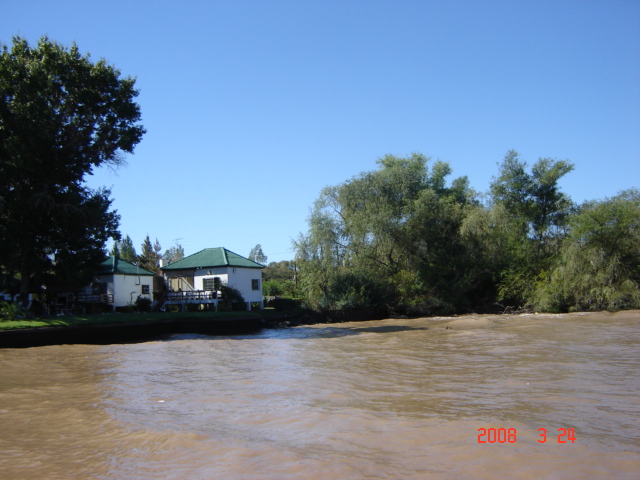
x=391, y=230
x=61, y=116
x=538, y=211
x=599, y=265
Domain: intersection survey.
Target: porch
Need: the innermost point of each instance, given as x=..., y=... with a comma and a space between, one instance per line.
x=193, y=296
x=196, y=297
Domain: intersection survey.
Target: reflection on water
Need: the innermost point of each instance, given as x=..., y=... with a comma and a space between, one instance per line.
x=368, y=400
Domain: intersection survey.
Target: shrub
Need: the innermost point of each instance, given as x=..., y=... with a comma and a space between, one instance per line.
x=143, y=304
x=233, y=298
x=13, y=311
x=271, y=288
x=285, y=304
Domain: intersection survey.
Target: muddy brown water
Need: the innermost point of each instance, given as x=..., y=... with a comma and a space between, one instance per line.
x=390, y=399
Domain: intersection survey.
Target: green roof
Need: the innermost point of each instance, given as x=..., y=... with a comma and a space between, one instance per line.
x=114, y=265
x=212, y=257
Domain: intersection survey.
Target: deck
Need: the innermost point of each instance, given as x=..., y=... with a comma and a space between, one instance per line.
x=193, y=297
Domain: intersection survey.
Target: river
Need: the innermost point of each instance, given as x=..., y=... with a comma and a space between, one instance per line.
x=389, y=399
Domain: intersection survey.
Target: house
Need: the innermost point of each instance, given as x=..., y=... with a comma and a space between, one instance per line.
x=193, y=279
x=122, y=282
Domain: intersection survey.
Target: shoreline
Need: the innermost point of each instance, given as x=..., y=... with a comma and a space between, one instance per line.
x=130, y=332
x=150, y=330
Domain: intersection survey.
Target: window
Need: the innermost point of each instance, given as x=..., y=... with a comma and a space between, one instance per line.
x=255, y=284
x=210, y=283
x=145, y=289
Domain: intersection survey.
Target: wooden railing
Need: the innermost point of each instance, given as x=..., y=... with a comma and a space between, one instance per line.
x=95, y=298
x=197, y=295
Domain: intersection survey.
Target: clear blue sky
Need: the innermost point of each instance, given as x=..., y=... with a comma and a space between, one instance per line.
x=252, y=107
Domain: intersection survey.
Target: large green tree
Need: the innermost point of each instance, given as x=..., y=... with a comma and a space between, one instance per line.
x=391, y=230
x=151, y=254
x=280, y=278
x=599, y=265
x=61, y=116
x=537, y=211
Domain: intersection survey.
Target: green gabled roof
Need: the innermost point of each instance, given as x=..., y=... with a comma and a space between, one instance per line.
x=115, y=265
x=212, y=257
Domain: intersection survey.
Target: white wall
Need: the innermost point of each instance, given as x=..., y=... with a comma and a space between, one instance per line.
x=126, y=288
x=236, y=277
x=241, y=279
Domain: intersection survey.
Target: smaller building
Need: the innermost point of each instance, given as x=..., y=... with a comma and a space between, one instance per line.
x=122, y=281
x=194, y=278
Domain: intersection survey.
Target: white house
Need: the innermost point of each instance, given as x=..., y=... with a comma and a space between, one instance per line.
x=192, y=279
x=122, y=282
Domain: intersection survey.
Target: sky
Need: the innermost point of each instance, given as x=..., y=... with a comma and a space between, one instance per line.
x=253, y=107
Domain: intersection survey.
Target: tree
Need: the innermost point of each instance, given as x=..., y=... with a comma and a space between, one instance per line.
x=115, y=250
x=538, y=212
x=279, y=271
x=125, y=250
x=599, y=265
x=534, y=199
x=257, y=255
x=174, y=253
x=61, y=116
x=395, y=229
x=271, y=288
x=280, y=277
x=150, y=257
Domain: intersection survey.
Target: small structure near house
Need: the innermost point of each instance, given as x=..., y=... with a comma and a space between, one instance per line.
x=121, y=282
x=195, y=279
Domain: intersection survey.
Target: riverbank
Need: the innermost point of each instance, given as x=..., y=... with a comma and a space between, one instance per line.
x=120, y=318
x=128, y=328
x=132, y=332
x=141, y=327
x=103, y=329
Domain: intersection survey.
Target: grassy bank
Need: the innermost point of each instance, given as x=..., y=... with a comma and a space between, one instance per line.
x=93, y=319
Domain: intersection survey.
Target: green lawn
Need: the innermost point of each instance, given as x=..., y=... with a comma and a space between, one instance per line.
x=126, y=318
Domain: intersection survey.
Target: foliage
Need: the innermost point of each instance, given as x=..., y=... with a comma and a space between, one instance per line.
x=534, y=199
x=599, y=267
x=285, y=304
x=366, y=232
x=143, y=304
x=351, y=290
x=150, y=257
x=532, y=214
x=125, y=250
x=280, y=271
x=13, y=311
x=280, y=278
x=232, y=298
x=402, y=237
x=61, y=116
x=272, y=288
x=173, y=254
x=257, y=255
